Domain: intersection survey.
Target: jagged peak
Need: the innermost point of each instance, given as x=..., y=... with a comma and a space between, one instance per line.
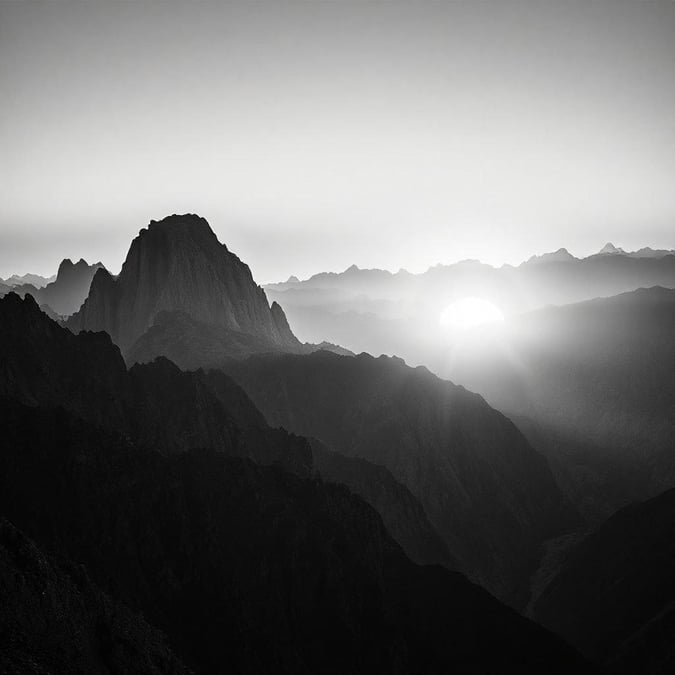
x=65, y=264
x=609, y=248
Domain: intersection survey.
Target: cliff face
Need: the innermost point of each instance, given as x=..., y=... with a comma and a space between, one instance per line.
x=178, y=265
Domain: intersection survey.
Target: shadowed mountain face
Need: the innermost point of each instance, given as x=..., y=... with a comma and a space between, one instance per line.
x=592, y=386
x=33, y=279
x=156, y=404
x=402, y=513
x=54, y=619
x=240, y=564
x=67, y=292
x=488, y=494
x=249, y=567
x=178, y=265
x=615, y=596
x=162, y=407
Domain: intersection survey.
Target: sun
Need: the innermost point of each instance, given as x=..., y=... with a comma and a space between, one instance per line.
x=469, y=312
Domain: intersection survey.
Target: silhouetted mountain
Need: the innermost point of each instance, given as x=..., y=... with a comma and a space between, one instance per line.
x=648, y=252
x=248, y=568
x=489, y=495
x=156, y=404
x=162, y=407
x=54, y=619
x=592, y=386
x=64, y=295
x=33, y=279
x=178, y=265
x=610, y=249
x=402, y=513
x=561, y=255
x=615, y=596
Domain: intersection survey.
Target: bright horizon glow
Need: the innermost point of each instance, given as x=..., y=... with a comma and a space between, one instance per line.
x=314, y=136
x=469, y=312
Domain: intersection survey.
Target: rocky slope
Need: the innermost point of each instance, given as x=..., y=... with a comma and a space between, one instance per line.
x=54, y=619
x=178, y=265
x=489, y=495
x=155, y=404
x=615, y=596
x=402, y=513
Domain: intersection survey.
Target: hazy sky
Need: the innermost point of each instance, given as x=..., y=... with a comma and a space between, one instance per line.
x=317, y=135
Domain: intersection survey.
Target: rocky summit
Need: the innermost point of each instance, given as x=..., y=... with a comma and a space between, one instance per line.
x=178, y=265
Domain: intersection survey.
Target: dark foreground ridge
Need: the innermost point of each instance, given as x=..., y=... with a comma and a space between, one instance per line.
x=245, y=566
x=615, y=596
x=252, y=568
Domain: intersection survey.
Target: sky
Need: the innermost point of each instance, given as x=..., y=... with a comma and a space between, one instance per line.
x=317, y=135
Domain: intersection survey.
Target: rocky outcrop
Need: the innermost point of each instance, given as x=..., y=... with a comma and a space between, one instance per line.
x=178, y=265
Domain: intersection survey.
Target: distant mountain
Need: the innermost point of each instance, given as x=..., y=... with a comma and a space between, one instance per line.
x=177, y=265
x=33, y=279
x=66, y=294
x=592, y=386
x=489, y=495
x=561, y=255
x=398, y=314
x=614, y=598
x=651, y=253
x=610, y=249
x=54, y=619
x=646, y=252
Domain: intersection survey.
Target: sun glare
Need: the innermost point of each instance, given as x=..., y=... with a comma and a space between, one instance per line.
x=469, y=312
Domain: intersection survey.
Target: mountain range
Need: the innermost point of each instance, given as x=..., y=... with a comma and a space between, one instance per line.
x=143, y=480
x=398, y=314
x=34, y=280
x=185, y=486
